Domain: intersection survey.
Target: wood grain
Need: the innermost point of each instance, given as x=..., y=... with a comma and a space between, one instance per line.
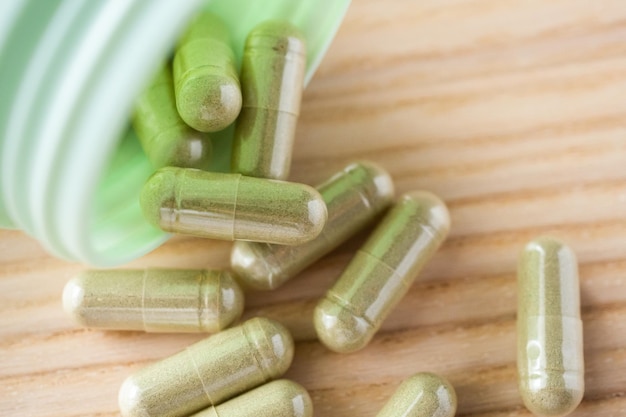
x=513, y=112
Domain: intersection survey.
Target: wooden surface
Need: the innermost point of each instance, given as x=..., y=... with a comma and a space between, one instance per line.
x=514, y=112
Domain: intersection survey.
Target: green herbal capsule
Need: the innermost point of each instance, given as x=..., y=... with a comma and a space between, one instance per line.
x=154, y=300
x=208, y=95
x=231, y=206
x=164, y=136
x=272, y=79
x=422, y=395
x=280, y=398
x=209, y=372
x=381, y=272
x=354, y=197
x=549, y=329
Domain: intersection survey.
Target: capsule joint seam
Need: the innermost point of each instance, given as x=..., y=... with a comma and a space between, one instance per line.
x=332, y=296
x=255, y=353
x=391, y=269
x=202, y=302
x=180, y=178
x=195, y=367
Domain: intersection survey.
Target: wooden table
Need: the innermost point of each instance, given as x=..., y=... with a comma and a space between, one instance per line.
x=514, y=112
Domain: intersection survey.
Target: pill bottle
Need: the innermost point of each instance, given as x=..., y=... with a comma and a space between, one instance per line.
x=71, y=169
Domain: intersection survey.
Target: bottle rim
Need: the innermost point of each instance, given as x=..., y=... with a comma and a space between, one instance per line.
x=71, y=168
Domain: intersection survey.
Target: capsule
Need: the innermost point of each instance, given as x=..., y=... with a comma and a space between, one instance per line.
x=154, y=300
x=164, y=136
x=354, y=197
x=282, y=398
x=422, y=395
x=208, y=95
x=231, y=206
x=272, y=79
x=209, y=372
x=549, y=329
x=381, y=272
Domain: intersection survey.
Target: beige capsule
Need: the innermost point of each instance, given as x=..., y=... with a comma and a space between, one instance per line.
x=164, y=136
x=550, y=359
x=154, y=300
x=422, y=395
x=381, y=272
x=282, y=398
x=208, y=95
x=272, y=80
x=209, y=372
x=232, y=206
x=354, y=197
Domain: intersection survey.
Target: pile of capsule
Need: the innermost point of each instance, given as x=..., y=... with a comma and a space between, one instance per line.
x=281, y=228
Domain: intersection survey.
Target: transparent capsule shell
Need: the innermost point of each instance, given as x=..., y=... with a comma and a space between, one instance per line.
x=381, y=272
x=209, y=372
x=354, y=197
x=422, y=395
x=281, y=398
x=165, y=138
x=154, y=300
x=232, y=207
x=208, y=94
x=272, y=80
x=550, y=358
